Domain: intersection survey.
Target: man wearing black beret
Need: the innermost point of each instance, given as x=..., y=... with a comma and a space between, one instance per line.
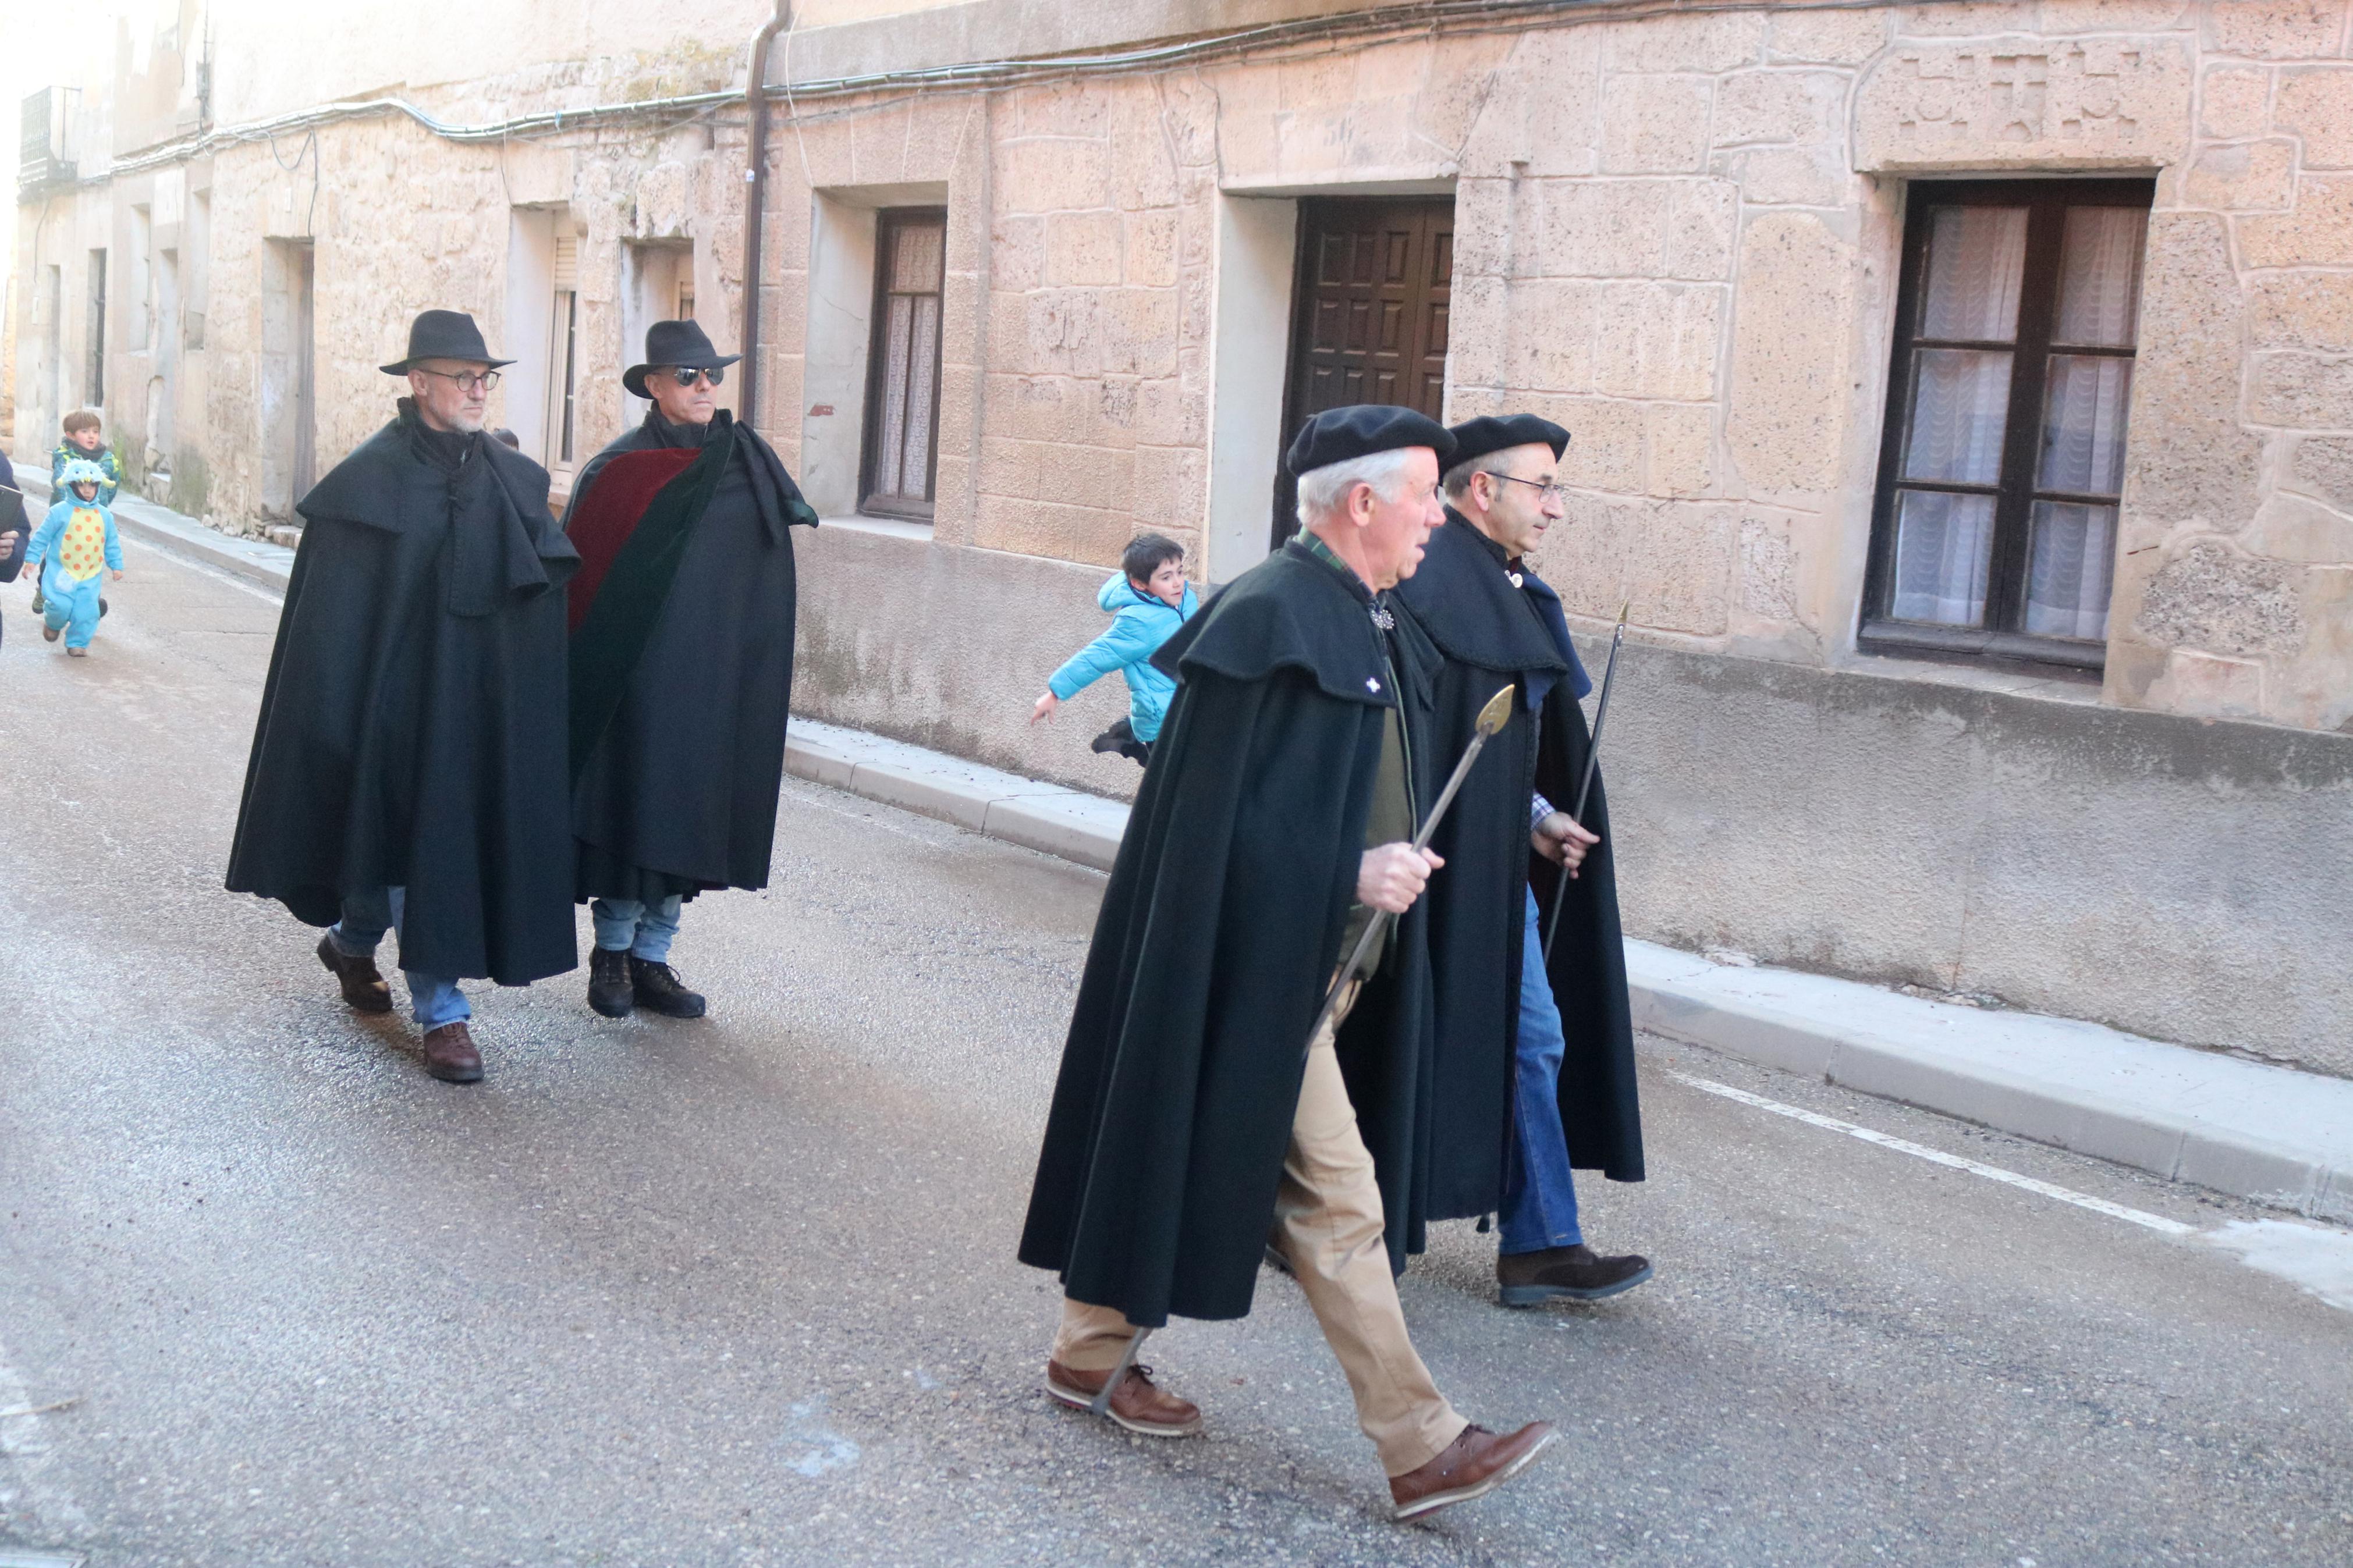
x=1545, y=1050
x=1194, y=1122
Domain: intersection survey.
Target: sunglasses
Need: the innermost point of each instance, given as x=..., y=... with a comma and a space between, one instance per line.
x=687, y=375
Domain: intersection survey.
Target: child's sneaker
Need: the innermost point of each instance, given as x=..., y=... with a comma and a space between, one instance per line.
x=50, y=633
x=77, y=653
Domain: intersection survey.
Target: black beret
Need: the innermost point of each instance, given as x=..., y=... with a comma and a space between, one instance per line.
x=1477, y=437
x=1359, y=430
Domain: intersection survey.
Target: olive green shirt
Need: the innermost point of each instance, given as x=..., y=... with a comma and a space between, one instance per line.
x=1391, y=820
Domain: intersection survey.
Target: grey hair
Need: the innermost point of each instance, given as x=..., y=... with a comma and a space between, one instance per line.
x=1325, y=491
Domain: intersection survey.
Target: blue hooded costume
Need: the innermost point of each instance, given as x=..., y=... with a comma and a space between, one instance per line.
x=77, y=542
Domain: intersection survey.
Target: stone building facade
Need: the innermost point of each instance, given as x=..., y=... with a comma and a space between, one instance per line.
x=1961, y=399
x=225, y=302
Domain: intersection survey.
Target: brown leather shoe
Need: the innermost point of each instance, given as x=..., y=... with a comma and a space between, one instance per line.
x=450, y=1056
x=362, y=984
x=1473, y=1465
x=1577, y=1272
x=1135, y=1404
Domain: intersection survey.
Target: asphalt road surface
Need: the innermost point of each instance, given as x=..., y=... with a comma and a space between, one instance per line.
x=743, y=1290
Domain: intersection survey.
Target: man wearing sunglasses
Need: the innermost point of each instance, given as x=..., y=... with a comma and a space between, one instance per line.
x=408, y=767
x=682, y=660
x=1535, y=1058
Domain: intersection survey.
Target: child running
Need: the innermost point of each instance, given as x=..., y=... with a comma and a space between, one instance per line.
x=1148, y=599
x=76, y=541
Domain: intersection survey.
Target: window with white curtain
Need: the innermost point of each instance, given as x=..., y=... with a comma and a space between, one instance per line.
x=2017, y=315
x=903, y=392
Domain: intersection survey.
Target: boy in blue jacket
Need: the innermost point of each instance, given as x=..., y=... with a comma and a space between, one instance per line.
x=1148, y=599
x=75, y=544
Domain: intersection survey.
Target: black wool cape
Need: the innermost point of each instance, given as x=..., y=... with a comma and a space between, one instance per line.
x=412, y=728
x=1491, y=634
x=1218, y=935
x=678, y=794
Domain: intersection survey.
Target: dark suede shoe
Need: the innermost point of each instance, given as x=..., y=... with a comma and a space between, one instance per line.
x=1136, y=1404
x=656, y=988
x=610, y=990
x=450, y=1056
x=362, y=985
x=1475, y=1464
x=1575, y=1272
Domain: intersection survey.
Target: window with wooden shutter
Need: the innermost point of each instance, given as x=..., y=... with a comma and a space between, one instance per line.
x=564, y=352
x=901, y=460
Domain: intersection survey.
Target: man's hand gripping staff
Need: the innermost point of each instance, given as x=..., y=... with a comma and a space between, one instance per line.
x=1392, y=875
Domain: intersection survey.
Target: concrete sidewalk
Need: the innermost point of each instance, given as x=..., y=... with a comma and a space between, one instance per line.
x=2269, y=1133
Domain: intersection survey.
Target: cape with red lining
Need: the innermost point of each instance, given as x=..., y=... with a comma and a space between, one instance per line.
x=676, y=789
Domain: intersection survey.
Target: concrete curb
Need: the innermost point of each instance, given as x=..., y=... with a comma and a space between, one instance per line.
x=255, y=561
x=1053, y=820
x=2269, y=1133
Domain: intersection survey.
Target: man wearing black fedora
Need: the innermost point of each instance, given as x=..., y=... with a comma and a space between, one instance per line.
x=408, y=766
x=683, y=667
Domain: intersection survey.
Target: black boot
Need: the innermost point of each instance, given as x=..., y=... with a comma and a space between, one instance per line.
x=610, y=990
x=657, y=988
x=1577, y=1272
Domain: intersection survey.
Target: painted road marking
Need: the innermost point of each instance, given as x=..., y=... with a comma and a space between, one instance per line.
x=2142, y=1217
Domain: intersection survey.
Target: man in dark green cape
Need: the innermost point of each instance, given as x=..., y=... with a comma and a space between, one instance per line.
x=1535, y=1060
x=408, y=764
x=1195, y=1123
x=681, y=667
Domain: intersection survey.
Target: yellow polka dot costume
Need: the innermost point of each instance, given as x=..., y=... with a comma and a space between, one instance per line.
x=76, y=542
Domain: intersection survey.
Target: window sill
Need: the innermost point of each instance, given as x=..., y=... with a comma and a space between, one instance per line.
x=2048, y=682
x=889, y=527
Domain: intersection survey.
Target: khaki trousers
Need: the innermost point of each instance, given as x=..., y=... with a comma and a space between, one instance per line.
x=1328, y=1227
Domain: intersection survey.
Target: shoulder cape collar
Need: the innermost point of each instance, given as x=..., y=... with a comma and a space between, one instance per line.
x=780, y=501
x=505, y=540
x=1472, y=609
x=1289, y=612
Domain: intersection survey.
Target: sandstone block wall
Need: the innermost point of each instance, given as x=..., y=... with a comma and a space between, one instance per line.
x=1679, y=235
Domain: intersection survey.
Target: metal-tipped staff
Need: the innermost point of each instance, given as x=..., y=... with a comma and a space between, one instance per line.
x=1585, y=786
x=1491, y=722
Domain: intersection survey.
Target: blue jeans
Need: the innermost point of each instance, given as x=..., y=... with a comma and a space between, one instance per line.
x=1540, y=1191
x=366, y=917
x=641, y=930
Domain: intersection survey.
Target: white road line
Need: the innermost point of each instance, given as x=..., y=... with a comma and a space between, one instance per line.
x=2158, y=1222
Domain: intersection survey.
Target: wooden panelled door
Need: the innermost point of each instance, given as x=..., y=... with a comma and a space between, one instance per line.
x=1369, y=321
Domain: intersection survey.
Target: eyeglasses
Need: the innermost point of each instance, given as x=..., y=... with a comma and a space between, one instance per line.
x=467, y=380
x=688, y=374
x=1549, y=490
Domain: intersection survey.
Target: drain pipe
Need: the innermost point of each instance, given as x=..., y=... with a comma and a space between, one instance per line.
x=755, y=187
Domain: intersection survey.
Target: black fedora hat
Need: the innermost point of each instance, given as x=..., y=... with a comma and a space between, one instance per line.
x=444, y=334
x=681, y=344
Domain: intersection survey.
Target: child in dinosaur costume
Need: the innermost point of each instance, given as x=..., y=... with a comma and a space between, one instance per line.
x=76, y=541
